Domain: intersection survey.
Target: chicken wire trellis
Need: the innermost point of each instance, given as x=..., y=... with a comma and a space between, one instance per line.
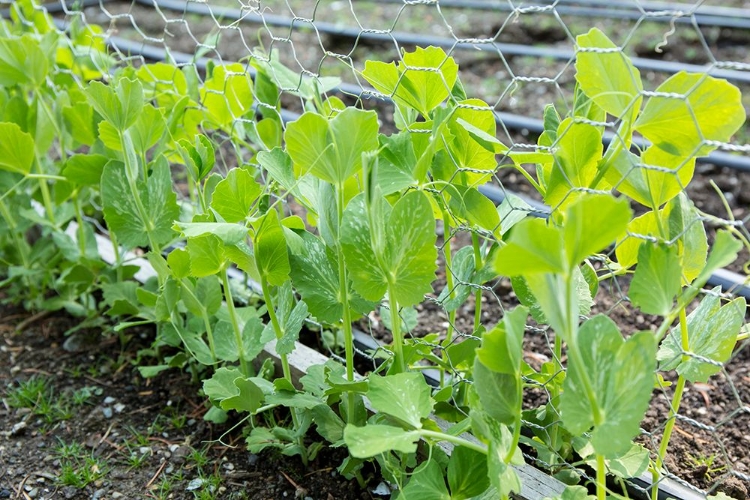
x=517, y=57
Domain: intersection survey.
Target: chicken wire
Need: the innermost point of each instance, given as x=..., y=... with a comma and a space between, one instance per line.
x=517, y=57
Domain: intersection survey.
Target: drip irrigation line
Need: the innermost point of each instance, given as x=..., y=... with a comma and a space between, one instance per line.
x=733, y=281
x=62, y=6
x=704, y=16
x=411, y=39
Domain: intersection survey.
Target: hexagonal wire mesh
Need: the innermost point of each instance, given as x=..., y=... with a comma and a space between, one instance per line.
x=516, y=57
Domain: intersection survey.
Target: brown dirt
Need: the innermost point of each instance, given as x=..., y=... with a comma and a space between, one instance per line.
x=166, y=412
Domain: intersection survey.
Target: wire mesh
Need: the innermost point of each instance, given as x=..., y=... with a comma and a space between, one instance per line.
x=517, y=57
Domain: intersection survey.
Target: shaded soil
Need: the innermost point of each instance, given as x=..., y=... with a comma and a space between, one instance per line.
x=138, y=438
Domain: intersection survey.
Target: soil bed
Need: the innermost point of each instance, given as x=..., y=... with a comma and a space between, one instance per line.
x=134, y=437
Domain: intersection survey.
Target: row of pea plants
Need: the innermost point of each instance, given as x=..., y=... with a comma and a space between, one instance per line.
x=89, y=144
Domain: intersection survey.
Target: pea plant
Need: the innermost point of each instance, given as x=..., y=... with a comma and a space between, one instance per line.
x=92, y=145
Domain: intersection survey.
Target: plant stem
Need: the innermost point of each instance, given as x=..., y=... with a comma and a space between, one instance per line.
x=673, y=408
x=453, y=439
x=235, y=322
x=276, y=326
x=398, y=337
x=44, y=188
x=478, y=263
x=19, y=243
x=81, y=229
x=601, y=478
x=517, y=426
x=346, y=314
x=617, y=145
x=448, y=258
x=206, y=320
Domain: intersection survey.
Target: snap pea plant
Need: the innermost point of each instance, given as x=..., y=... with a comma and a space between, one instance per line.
x=87, y=143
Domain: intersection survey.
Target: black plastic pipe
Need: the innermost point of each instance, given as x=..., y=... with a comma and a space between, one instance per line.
x=411, y=39
x=705, y=16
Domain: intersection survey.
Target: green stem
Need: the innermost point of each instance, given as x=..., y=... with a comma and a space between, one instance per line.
x=206, y=320
x=478, y=264
x=131, y=172
x=673, y=408
x=346, y=314
x=601, y=478
x=617, y=145
x=398, y=337
x=235, y=321
x=19, y=243
x=453, y=439
x=448, y=258
x=276, y=326
x=118, y=255
x=44, y=188
x=81, y=229
x=517, y=426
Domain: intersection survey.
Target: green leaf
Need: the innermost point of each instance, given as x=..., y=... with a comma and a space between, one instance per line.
x=422, y=80
x=405, y=256
x=292, y=325
x=723, y=252
x=229, y=234
x=79, y=121
x=502, y=348
x=123, y=214
x=657, y=278
x=707, y=109
x=712, y=334
x=644, y=179
x=607, y=77
x=469, y=204
x=577, y=152
x=374, y=439
x=467, y=473
x=199, y=157
x=121, y=298
x=22, y=62
x=227, y=94
x=206, y=255
x=232, y=391
x=148, y=129
x=395, y=163
x=427, y=483
x=533, y=247
x=16, y=149
x=473, y=145
x=620, y=375
x=235, y=195
x=179, y=262
x=328, y=423
x=593, y=223
x=405, y=396
x=271, y=255
x=120, y=105
x=332, y=149
x=278, y=164
x=84, y=169
x=315, y=275
x=498, y=393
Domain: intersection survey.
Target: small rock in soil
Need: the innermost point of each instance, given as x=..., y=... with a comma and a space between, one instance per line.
x=252, y=459
x=109, y=400
x=119, y=407
x=69, y=492
x=33, y=493
x=4, y=493
x=18, y=428
x=116, y=494
x=194, y=484
x=98, y=494
x=107, y=411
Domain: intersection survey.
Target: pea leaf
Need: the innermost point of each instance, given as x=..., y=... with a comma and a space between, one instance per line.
x=427, y=483
x=712, y=334
x=467, y=473
x=228, y=94
x=206, y=255
x=607, y=77
x=149, y=128
x=593, y=223
x=710, y=109
x=620, y=374
x=576, y=155
x=644, y=179
x=123, y=214
x=16, y=149
x=422, y=80
x=406, y=255
x=231, y=390
x=120, y=104
x=657, y=278
x=533, y=247
x=271, y=255
x=374, y=439
x=502, y=348
x=404, y=396
x=84, y=169
x=332, y=149
x=498, y=393
x=199, y=157
x=229, y=234
x=22, y=62
x=235, y=195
